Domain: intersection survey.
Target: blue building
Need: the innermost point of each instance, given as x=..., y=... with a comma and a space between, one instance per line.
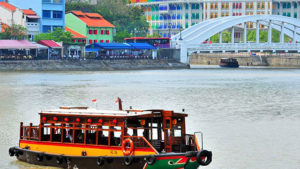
x=52, y=12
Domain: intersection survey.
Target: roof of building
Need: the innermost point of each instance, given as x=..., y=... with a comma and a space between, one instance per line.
x=49, y=43
x=8, y=6
x=75, y=34
x=28, y=12
x=92, y=19
x=16, y=44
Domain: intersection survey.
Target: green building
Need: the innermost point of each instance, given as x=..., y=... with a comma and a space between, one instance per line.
x=91, y=25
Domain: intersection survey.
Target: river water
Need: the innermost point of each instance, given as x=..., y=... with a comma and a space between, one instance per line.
x=250, y=117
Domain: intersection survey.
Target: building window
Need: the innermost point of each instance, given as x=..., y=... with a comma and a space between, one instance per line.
x=107, y=32
x=295, y=15
x=91, y=41
x=95, y=32
x=46, y=28
x=84, y=41
x=90, y=32
x=74, y=40
x=102, y=32
x=102, y=41
x=46, y=14
x=57, y=14
x=107, y=41
x=57, y=1
x=95, y=41
x=79, y=40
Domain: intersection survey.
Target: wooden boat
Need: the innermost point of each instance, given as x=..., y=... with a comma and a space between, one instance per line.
x=79, y=137
x=229, y=62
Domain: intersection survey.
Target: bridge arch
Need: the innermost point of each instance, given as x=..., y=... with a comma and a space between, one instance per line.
x=194, y=36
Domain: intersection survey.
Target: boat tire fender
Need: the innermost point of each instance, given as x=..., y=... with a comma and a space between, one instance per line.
x=11, y=151
x=128, y=160
x=204, y=157
x=59, y=159
x=124, y=143
x=100, y=161
x=151, y=160
x=39, y=157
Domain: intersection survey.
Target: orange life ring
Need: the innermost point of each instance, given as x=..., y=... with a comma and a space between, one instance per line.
x=125, y=150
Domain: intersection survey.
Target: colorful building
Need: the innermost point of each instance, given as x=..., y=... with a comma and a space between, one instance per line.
x=27, y=18
x=91, y=25
x=168, y=17
x=77, y=47
x=52, y=12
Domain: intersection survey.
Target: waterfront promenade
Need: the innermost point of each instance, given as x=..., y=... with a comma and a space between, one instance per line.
x=95, y=65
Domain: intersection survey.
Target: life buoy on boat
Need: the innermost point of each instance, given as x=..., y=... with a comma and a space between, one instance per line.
x=100, y=161
x=11, y=151
x=204, y=157
x=128, y=160
x=59, y=159
x=125, y=150
x=39, y=157
x=151, y=160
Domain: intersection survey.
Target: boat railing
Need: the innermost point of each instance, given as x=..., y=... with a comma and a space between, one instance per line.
x=141, y=142
x=29, y=132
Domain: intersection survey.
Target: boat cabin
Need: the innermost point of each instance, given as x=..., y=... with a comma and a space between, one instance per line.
x=155, y=130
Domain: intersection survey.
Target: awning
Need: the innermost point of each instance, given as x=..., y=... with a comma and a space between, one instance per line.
x=16, y=44
x=142, y=46
x=33, y=17
x=109, y=46
x=39, y=46
x=49, y=43
x=91, y=50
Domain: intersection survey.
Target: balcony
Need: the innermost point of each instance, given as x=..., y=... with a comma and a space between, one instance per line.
x=33, y=27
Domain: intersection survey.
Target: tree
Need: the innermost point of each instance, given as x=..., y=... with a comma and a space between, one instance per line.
x=15, y=32
x=58, y=35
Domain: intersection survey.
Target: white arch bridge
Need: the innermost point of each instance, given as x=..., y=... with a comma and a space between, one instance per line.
x=192, y=39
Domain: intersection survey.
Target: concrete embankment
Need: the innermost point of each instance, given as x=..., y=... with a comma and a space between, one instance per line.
x=274, y=60
x=100, y=65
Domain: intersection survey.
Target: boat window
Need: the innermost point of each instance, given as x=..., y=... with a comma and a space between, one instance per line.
x=115, y=136
x=46, y=132
x=56, y=132
x=91, y=134
x=177, y=131
x=79, y=133
x=68, y=133
x=103, y=135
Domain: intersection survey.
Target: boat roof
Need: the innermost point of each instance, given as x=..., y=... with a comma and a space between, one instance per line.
x=94, y=112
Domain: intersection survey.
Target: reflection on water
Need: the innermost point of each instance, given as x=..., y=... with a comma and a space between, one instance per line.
x=250, y=117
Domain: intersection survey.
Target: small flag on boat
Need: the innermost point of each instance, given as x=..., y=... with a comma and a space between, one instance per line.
x=94, y=100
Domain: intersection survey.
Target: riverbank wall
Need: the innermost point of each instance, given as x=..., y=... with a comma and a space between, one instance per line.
x=93, y=65
x=245, y=59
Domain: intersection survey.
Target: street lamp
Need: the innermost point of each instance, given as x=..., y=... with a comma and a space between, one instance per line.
x=180, y=38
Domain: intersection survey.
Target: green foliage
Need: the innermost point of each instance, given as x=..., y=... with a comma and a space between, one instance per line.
x=128, y=20
x=226, y=37
x=14, y=32
x=58, y=35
